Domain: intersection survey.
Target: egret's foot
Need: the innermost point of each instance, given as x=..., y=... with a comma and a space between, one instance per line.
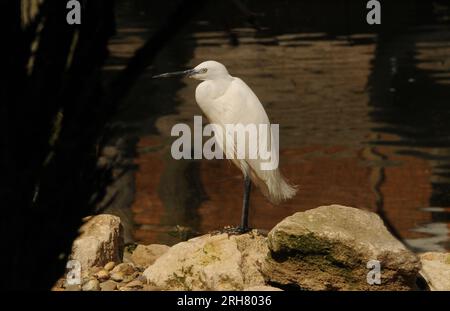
x=239, y=230
x=230, y=230
x=243, y=230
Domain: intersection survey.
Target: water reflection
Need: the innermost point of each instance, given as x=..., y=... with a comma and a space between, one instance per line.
x=363, y=118
x=410, y=88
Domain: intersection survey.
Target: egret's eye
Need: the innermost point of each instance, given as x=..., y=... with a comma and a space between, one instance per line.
x=203, y=70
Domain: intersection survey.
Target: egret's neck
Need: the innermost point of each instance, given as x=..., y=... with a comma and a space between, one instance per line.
x=219, y=85
x=211, y=89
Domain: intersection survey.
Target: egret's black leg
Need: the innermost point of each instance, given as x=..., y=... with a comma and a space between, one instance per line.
x=246, y=204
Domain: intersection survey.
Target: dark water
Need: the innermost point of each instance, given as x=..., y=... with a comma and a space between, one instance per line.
x=364, y=114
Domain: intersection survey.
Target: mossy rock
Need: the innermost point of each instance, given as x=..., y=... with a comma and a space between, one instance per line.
x=329, y=247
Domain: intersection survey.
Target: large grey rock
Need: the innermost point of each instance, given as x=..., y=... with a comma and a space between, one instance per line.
x=210, y=262
x=146, y=255
x=329, y=248
x=436, y=270
x=100, y=242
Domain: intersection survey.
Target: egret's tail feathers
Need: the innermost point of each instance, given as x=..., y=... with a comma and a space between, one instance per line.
x=275, y=187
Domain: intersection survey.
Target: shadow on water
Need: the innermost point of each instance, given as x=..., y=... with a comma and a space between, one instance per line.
x=139, y=112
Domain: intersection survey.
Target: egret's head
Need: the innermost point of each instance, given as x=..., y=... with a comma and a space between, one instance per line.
x=209, y=70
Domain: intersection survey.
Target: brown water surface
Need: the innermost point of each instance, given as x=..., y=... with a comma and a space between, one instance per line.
x=364, y=120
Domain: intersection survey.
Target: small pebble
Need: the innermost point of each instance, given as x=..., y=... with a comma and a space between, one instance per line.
x=102, y=275
x=73, y=288
x=129, y=278
x=142, y=278
x=125, y=268
x=135, y=284
x=108, y=286
x=110, y=151
x=91, y=285
x=94, y=270
x=117, y=276
x=109, y=266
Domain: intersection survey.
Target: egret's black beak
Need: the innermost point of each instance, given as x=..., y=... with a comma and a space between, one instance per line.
x=186, y=73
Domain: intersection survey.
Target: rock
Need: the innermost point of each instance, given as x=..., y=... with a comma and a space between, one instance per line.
x=330, y=248
x=146, y=255
x=59, y=285
x=108, y=286
x=129, y=278
x=100, y=241
x=109, y=266
x=57, y=289
x=262, y=288
x=142, y=278
x=210, y=262
x=436, y=270
x=125, y=268
x=128, y=250
x=110, y=152
x=117, y=276
x=86, y=279
x=136, y=284
x=102, y=275
x=94, y=270
x=91, y=285
x=254, y=251
x=73, y=288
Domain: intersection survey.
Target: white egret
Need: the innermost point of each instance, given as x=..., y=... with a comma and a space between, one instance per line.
x=228, y=100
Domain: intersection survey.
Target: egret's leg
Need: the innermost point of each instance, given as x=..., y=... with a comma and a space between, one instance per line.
x=246, y=204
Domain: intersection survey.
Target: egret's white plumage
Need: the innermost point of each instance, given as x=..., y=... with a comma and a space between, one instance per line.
x=228, y=100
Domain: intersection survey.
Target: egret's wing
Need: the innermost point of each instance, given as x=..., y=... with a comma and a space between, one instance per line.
x=222, y=137
x=240, y=105
x=243, y=105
